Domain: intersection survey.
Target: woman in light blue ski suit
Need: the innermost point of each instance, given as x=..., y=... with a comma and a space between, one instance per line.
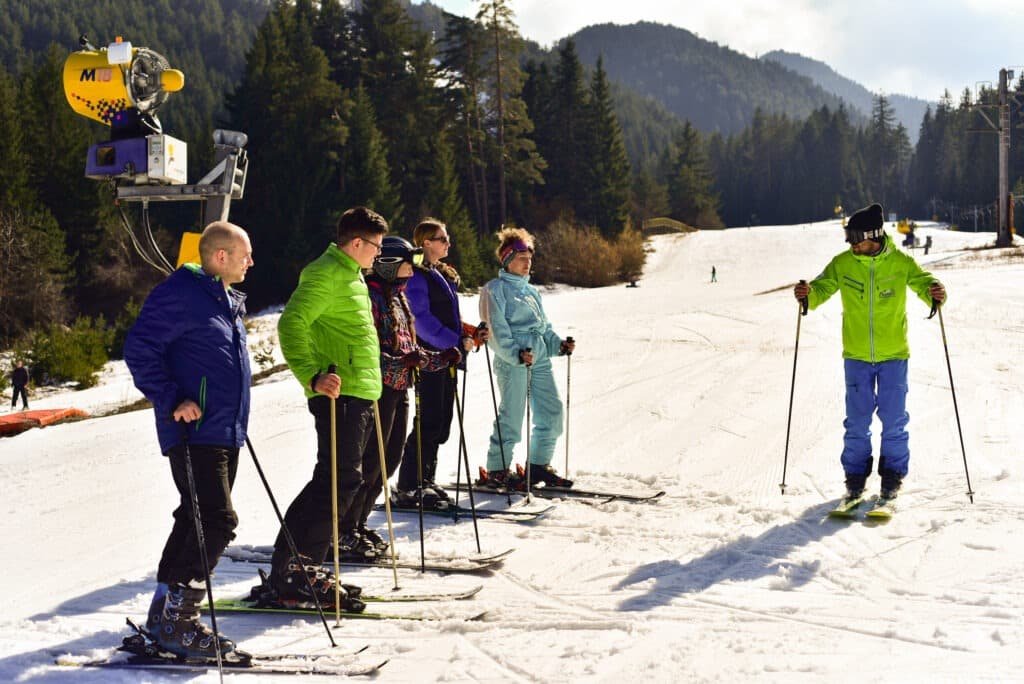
x=513, y=311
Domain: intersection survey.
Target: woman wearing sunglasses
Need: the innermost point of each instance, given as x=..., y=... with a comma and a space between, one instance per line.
x=521, y=337
x=433, y=297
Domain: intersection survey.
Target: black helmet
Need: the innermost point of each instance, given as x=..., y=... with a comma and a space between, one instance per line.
x=393, y=253
x=866, y=224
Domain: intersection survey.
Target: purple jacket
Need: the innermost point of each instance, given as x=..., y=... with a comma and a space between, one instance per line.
x=435, y=304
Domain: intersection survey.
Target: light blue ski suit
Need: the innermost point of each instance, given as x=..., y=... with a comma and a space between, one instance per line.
x=512, y=309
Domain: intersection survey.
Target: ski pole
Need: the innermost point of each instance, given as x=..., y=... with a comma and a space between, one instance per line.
x=465, y=456
x=387, y=492
x=942, y=327
x=332, y=369
x=292, y=548
x=800, y=312
x=568, y=390
x=529, y=381
x=197, y=520
x=419, y=463
x=497, y=423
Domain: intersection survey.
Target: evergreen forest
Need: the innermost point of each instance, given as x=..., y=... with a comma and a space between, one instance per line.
x=415, y=112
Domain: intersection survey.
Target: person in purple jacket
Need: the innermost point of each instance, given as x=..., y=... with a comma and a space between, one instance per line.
x=187, y=354
x=432, y=294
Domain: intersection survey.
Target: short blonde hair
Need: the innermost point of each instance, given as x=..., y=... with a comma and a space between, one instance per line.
x=507, y=237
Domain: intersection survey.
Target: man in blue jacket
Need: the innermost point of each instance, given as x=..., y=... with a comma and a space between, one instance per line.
x=187, y=355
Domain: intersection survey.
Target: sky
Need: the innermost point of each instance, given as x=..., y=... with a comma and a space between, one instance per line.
x=911, y=47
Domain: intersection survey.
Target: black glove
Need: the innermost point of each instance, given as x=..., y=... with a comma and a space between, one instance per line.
x=452, y=356
x=414, y=359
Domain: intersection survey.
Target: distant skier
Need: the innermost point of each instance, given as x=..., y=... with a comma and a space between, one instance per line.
x=187, y=355
x=19, y=380
x=328, y=321
x=714, y=275
x=873, y=277
x=399, y=355
x=433, y=298
x=521, y=336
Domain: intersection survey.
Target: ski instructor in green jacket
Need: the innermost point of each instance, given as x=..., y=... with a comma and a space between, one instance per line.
x=873, y=277
x=328, y=321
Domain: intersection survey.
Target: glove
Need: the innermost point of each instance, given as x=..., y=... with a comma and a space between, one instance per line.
x=567, y=347
x=452, y=356
x=414, y=359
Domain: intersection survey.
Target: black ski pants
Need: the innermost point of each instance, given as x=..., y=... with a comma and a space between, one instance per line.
x=23, y=391
x=394, y=416
x=437, y=407
x=213, y=469
x=309, y=518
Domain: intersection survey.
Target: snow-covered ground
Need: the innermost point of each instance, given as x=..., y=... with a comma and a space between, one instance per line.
x=680, y=385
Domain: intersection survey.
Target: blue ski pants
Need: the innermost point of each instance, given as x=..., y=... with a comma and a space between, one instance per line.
x=870, y=387
x=545, y=406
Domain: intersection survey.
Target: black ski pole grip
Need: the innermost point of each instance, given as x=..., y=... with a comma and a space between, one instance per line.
x=569, y=340
x=935, y=304
x=333, y=369
x=803, y=301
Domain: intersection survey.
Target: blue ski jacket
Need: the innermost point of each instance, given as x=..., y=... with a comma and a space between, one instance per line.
x=512, y=307
x=189, y=343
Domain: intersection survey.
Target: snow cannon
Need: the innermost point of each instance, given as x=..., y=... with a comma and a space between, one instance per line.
x=123, y=86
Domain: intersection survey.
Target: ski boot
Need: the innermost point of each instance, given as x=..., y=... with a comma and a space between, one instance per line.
x=352, y=546
x=501, y=479
x=287, y=588
x=180, y=632
x=411, y=499
x=374, y=538
x=544, y=474
x=891, y=484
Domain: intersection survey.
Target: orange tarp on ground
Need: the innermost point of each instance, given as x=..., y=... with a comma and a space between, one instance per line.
x=13, y=423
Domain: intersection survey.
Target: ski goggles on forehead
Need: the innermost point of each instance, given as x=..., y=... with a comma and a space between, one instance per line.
x=512, y=249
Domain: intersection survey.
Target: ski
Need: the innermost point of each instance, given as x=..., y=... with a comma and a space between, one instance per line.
x=882, y=509
x=468, y=565
x=552, y=492
x=255, y=667
x=516, y=513
x=846, y=508
x=241, y=605
x=145, y=654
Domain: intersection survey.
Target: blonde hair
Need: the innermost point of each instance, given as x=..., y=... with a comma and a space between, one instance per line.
x=507, y=236
x=426, y=229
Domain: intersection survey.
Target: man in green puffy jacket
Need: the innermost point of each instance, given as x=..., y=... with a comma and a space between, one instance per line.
x=328, y=322
x=873, y=277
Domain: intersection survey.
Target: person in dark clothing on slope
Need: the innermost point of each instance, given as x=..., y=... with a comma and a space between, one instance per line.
x=19, y=379
x=187, y=354
x=433, y=296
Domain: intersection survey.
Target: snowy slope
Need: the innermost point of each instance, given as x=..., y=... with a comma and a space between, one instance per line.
x=679, y=384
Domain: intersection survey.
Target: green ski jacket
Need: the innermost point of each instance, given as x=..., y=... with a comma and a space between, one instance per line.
x=874, y=293
x=328, y=319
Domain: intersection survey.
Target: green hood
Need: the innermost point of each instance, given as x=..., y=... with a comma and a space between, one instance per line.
x=874, y=293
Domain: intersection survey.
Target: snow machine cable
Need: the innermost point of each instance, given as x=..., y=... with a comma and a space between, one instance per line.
x=197, y=520
x=292, y=548
x=465, y=456
x=942, y=327
x=568, y=389
x=152, y=239
x=138, y=246
x=800, y=312
x=497, y=423
x=419, y=463
x=387, y=492
x=331, y=370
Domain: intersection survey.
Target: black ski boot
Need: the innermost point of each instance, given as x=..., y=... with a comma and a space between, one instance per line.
x=891, y=483
x=411, y=499
x=180, y=632
x=287, y=588
x=855, y=486
x=547, y=475
x=501, y=479
x=371, y=536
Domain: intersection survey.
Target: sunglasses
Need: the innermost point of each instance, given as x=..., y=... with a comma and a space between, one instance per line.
x=441, y=239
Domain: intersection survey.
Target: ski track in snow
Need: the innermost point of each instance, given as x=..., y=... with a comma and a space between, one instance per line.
x=679, y=385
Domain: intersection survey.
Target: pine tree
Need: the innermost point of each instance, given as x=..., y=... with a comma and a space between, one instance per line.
x=444, y=201
x=14, y=179
x=366, y=179
x=568, y=155
x=607, y=178
x=690, y=184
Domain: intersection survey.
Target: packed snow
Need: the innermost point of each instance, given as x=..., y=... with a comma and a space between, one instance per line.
x=679, y=384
